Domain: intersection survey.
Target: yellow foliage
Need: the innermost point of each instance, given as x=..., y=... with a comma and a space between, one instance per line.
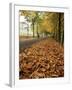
x=47, y=25
x=49, y=19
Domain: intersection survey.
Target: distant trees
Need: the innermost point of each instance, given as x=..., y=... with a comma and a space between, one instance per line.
x=58, y=26
x=30, y=16
x=36, y=22
x=46, y=23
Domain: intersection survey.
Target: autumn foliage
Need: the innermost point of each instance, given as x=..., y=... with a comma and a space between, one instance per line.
x=41, y=53
x=42, y=60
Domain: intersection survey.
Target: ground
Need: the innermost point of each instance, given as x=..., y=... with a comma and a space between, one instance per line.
x=41, y=58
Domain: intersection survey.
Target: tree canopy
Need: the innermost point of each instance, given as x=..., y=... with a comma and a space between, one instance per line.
x=45, y=23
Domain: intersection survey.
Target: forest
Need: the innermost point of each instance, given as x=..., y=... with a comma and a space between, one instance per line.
x=41, y=44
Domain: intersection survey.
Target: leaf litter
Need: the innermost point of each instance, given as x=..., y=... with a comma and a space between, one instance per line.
x=44, y=59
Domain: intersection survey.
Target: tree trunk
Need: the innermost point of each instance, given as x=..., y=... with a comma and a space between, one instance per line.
x=59, y=31
x=33, y=29
x=37, y=31
x=63, y=38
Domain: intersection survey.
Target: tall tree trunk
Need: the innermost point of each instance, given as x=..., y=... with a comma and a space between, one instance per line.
x=33, y=29
x=62, y=27
x=63, y=38
x=37, y=31
x=56, y=31
x=59, y=31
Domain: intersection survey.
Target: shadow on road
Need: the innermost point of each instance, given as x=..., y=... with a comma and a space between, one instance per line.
x=27, y=43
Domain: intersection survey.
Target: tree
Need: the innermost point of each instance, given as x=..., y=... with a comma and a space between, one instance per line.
x=38, y=21
x=30, y=16
x=45, y=23
x=62, y=28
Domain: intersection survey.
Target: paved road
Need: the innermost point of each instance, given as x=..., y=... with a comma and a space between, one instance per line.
x=27, y=43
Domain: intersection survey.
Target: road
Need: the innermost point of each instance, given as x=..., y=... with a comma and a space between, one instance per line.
x=27, y=43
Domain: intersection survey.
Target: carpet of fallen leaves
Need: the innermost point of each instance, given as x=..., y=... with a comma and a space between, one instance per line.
x=44, y=59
